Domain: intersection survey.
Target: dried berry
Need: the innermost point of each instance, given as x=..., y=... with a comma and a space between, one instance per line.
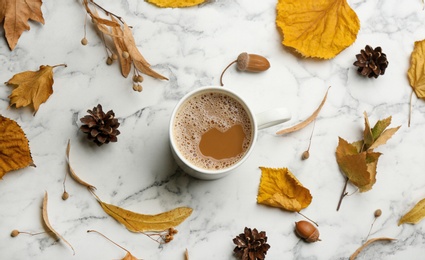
x=114, y=56
x=378, y=213
x=137, y=87
x=65, y=195
x=109, y=61
x=307, y=231
x=84, y=41
x=305, y=155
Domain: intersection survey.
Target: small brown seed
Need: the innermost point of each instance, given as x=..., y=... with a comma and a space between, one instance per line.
x=378, y=213
x=140, y=78
x=14, y=233
x=125, y=55
x=137, y=87
x=305, y=155
x=109, y=61
x=84, y=41
x=114, y=56
x=65, y=195
x=307, y=231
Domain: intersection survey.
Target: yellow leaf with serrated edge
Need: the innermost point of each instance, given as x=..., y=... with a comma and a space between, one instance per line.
x=175, y=3
x=14, y=148
x=280, y=188
x=416, y=72
x=317, y=28
x=32, y=87
x=416, y=214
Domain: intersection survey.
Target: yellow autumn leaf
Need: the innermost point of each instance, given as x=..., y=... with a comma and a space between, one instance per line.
x=175, y=3
x=129, y=256
x=14, y=148
x=416, y=214
x=416, y=72
x=280, y=188
x=136, y=222
x=317, y=28
x=32, y=87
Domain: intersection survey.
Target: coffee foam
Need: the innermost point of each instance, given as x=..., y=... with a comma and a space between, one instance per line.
x=202, y=113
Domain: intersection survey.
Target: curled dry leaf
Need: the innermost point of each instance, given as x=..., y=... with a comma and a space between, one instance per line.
x=16, y=14
x=305, y=122
x=317, y=28
x=175, y=3
x=136, y=222
x=415, y=215
x=370, y=241
x=47, y=223
x=32, y=87
x=280, y=188
x=72, y=172
x=14, y=148
x=186, y=254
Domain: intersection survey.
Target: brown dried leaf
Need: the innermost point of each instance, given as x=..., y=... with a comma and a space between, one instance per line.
x=14, y=148
x=47, y=223
x=129, y=256
x=367, y=133
x=370, y=241
x=305, y=122
x=72, y=172
x=32, y=87
x=416, y=72
x=416, y=214
x=384, y=137
x=280, y=188
x=97, y=19
x=139, y=61
x=16, y=14
x=120, y=47
x=136, y=222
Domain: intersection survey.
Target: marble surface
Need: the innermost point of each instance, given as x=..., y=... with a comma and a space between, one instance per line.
x=191, y=47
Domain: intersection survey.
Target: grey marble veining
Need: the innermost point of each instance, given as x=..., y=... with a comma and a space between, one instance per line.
x=191, y=47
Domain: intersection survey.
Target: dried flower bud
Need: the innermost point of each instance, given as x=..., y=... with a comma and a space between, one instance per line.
x=114, y=56
x=137, y=87
x=378, y=213
x=109, y=61
x=65, y=195
x=139, y=78
x=84, y=41
x=14, y=233
x=305, y=155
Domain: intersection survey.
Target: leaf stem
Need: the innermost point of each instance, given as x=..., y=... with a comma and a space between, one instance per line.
x=343, y=194
x=62, y=64
x=410, y=109
x=91, y=230
x=221, y=76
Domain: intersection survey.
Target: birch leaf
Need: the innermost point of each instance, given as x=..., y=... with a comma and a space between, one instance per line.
x=47, y=223
x=415, y=215
x=14, y=148
x=280, y=188
x=175, y=3
x=32, y=87
x=136, y=222
x=370, y=241
x=16, y=14
x=305, y=122
x=384, y=137
x=317, y=28
x=416, y=72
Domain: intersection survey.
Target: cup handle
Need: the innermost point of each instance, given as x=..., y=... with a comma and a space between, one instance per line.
x=272, y=117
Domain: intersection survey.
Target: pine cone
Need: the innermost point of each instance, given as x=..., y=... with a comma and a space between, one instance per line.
x=371, y=62
x=251, y=245
x=100, y=128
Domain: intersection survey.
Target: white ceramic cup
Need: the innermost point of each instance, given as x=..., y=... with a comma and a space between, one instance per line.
x=263, y=120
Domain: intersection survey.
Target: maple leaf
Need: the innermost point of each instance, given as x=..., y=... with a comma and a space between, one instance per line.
x=175, y=3
x=415, y=215
x=16, y=14
x=416, y=72
x=14, y=149
x=317, y=28
x=32, y=87
x=280, y=188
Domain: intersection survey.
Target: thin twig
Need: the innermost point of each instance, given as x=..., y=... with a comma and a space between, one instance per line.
x=221, y=76
x=107, y=12
x=62, y=64
x=410, y=109
x=89, y=231
x=343, y=194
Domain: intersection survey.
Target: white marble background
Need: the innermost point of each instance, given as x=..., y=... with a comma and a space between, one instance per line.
x=191, y=47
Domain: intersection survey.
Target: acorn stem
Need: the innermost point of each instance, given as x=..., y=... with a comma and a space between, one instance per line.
x=221, y=76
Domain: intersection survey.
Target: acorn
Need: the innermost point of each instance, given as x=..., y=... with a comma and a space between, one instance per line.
x=307, y=231
x=248, y=62
x=252, y=62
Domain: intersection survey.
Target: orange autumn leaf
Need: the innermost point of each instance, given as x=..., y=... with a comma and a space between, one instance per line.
x=317, y=28
x=32, y=87
x=14, y=149
x=175, y=3
x=280, y=188
x=16, y=14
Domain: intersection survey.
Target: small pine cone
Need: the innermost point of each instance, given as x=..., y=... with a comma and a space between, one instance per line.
x=251, y=245
x=371, y=62
x=100, y=128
